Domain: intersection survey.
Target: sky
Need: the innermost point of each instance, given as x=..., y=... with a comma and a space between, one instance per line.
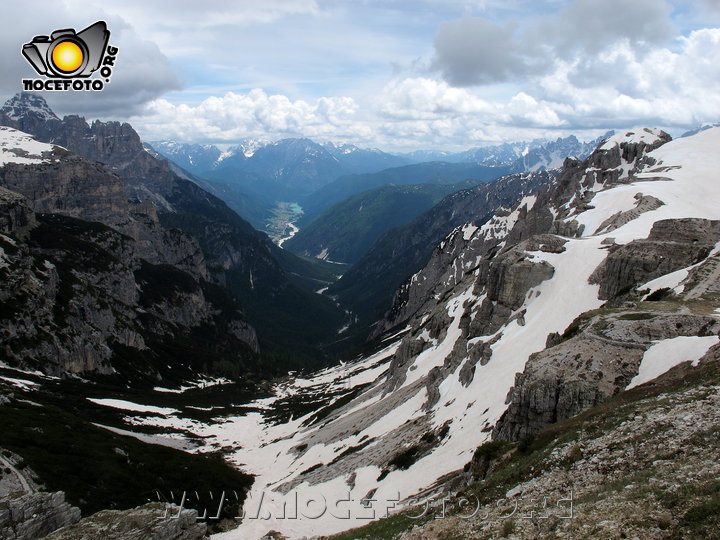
x=394, y=74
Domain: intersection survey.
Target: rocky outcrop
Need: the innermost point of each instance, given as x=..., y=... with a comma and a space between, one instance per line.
x=152, y=521
x=35, y=515
x=671, y=245
x=464, y=228
x=97, y=264
x=590, y=367
x=500, y=286
x=75, y=187
x=71, y=186
x=76, y=295
x=16, y=217
x=503, y=260
x=224, y=248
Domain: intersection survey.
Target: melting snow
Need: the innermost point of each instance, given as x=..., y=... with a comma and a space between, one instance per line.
x=200, y=383
x=130, y=406
x=23, y=384
x=646, y=135
x=19, y=147
x=668, y=353
x=265, y=449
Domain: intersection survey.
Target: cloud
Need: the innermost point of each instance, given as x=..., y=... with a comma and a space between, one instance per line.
x=474, y=51
x=624, y=87
x=589, y=27
x=414, y=99
x=280, y=68
x=621, y=87
x=142, y=72
x=235, y=116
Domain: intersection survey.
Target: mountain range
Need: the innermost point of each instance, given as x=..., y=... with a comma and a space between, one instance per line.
x=254, y=174
x=170, y=220
x=287, y=169
x=594, y=289
x=549, y=334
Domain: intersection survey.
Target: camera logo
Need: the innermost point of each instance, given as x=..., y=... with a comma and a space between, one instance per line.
x=68, y=58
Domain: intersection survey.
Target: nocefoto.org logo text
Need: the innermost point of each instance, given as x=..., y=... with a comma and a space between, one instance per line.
x=67, y=59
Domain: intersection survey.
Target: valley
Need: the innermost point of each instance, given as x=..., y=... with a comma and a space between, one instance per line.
x=281, y=226
x=456, y=328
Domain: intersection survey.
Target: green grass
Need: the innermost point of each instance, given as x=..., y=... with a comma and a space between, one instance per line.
x=636, y=316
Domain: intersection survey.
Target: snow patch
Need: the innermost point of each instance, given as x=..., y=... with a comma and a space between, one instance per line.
x=23, y=384
x=668, y=353
x=135, y=407
x=21, y=148
x=635, y=136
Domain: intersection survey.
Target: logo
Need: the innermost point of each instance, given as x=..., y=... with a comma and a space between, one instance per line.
x=67, y=59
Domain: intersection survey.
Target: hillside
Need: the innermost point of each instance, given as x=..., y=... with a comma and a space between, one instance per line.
x=552, y=306
x=103, y=173
x=344, y=232
x=421, y=173
x=367, y=288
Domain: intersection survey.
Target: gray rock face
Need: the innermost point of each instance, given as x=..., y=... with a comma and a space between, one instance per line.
x=35, y=515
x=589, y=368
x=458, y=254
x=229, y=245
x=500, y=285
x=149, y=522
x=74, y=187
x=16, y=217
x=600, y=353
x=672, y=244
x=76, y=291
x=70, y=186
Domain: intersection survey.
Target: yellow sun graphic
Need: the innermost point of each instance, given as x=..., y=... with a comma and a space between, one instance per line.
x=67, y=56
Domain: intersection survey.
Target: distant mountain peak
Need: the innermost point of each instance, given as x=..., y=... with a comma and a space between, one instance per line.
x=24, y=104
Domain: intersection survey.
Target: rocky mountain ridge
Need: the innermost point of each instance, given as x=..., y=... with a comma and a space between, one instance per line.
x=171, y=219
x=553, y=304
x=479, y=359
x=368, y=286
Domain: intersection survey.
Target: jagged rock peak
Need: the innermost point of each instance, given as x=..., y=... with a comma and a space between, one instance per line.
x=647, y=136
x=25, y=104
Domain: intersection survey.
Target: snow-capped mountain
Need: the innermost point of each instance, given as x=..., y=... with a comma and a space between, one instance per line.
x=535, y=155
x=500, y=334
x=247, y=147
x=551, y=154
x=497, y=155
x=699, y=129
x=279, y=170
x=191, y=157
x=363, y=160
x=28, y=104
x=200, y=158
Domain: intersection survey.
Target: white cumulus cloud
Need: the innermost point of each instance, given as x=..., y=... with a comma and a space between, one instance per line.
x=235, y=116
